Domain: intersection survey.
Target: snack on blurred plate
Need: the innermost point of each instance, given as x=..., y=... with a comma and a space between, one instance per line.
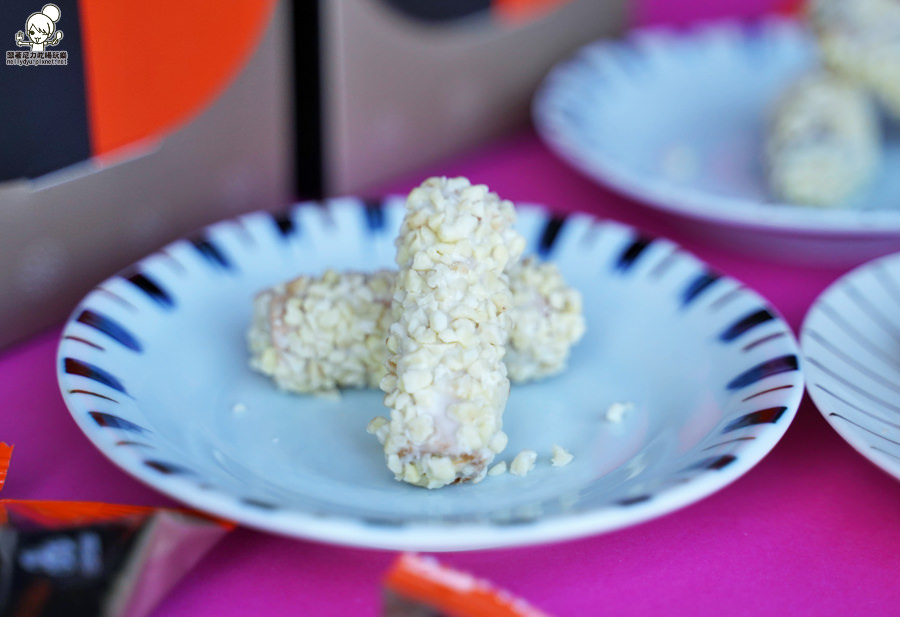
x=823, y=143
x=703, y=158
x=860, y=39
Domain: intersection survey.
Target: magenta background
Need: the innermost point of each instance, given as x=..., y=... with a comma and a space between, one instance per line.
x=811, y=530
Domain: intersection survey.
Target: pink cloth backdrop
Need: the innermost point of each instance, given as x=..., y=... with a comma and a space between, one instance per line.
x=811, y=530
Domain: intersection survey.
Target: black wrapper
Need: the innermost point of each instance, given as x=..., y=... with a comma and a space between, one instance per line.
x=115, y=567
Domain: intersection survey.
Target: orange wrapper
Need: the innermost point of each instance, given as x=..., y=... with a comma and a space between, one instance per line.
x=416, y=583
x=790, y=8
x=86, y=559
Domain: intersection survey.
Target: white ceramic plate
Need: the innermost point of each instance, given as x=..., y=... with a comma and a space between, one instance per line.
x=851, y=341
x=154, y=370
x=677, y=120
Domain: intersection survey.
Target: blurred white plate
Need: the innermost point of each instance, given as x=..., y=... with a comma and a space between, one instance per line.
x=677, y=120
x=153, y=368
x=851, y=341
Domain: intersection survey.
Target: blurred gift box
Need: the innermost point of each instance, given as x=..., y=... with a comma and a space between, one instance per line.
x=127, y=125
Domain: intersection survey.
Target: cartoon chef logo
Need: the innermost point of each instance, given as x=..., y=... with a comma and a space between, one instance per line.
x=41, y=29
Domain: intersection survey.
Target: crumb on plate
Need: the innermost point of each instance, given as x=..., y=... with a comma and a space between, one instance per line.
x=616, y=412
x=523, y=462
x=378, y=426
x=498, y=469
x=561, y=457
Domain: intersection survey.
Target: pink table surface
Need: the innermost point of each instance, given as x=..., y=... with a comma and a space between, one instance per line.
x=812, y=529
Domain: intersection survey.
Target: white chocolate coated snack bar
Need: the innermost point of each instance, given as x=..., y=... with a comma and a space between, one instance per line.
x=823, y=143
x=446, y=383
x=860, y=40
x=317, y=334
x=547, y=319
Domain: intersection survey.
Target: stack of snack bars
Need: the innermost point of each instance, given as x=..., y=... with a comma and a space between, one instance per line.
x=442, y=336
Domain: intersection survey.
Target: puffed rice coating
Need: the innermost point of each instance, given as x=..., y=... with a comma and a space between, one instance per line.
x=446, y=384
x=313, y=335
x=523, y=463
